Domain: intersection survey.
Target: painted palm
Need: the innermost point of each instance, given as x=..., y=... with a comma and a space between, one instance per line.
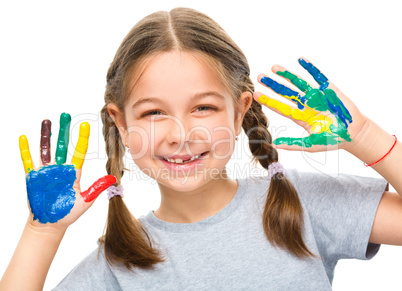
x=52, y=189
x=320, y=109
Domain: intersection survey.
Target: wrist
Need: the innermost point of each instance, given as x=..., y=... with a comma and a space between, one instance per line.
x=35, y=229
x=371, y=144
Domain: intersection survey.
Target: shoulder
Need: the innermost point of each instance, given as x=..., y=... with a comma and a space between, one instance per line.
x=311, y=185
x=314, y=186
x=93, y=272
x=262, y=183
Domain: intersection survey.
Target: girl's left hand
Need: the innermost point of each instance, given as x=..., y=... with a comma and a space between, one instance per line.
x=331, y=119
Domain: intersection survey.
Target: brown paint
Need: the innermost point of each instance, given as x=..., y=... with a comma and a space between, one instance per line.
x=45, y=141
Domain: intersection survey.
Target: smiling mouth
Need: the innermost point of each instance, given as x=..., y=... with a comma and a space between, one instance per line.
x=182, y=162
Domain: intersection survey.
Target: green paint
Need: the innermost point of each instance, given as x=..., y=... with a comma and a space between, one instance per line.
x=318, y=99
x=341, y=130
x=338, y=106
x=299, y=83
x=315, y=98
x=321, y=100
x=323, y=138
x=62, y=142
x=332, y=97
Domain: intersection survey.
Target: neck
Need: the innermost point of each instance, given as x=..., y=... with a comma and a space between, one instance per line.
x=198, y=204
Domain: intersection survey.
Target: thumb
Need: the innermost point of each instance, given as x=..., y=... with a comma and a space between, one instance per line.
x=98, y=187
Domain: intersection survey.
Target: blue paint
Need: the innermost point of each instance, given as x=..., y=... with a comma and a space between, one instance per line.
x=333, y=103
x=302, y=101
x=337, y=107
x=284, y=91
x=317, y=75
x=50, y=192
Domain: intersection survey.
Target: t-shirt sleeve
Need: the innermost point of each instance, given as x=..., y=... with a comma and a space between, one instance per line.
x=92, y=273
x=342, y=211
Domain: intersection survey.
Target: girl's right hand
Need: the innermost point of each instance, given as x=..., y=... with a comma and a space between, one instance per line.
x=54, y=193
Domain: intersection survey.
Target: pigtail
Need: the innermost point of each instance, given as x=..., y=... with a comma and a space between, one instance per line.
x=126, y=240
x=283, y=212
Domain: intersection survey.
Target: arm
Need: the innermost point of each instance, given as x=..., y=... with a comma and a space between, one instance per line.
x=55, y=202
x=334, y=122
x=374, y=142
x=31, y=261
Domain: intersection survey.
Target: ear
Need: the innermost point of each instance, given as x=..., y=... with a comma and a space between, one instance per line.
x=244, y=103
x=118, y=119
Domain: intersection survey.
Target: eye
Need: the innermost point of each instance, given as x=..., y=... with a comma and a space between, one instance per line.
x=207, y=108
x=149, y=113
x=152, y=112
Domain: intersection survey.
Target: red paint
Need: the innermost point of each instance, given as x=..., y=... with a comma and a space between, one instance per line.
x=98, y=187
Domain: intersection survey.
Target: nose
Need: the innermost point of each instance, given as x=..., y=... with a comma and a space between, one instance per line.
x=182, y=132
x=175, y=131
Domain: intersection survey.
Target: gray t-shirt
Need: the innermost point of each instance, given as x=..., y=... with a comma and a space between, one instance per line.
x=229, y=250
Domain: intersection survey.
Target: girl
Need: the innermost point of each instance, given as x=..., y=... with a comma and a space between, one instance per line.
x=178, y=93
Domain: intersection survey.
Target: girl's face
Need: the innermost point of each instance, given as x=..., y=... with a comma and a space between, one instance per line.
x=179, y=106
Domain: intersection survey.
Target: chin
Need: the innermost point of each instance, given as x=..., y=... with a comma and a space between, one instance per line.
x=182, y=184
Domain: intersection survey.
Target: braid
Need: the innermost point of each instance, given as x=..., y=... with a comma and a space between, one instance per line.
x=255, y=125
x=125, y=241
x=283, y=213
x=114, y=146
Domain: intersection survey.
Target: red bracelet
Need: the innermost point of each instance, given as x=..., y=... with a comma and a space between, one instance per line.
x=385, y=154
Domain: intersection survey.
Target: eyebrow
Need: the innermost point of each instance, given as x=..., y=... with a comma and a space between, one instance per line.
x=196, y=97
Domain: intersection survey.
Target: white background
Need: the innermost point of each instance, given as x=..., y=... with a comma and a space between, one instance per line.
x=54, y=57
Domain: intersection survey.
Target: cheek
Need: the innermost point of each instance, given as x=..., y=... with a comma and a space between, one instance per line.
x=223, y=142
x=139, y=142
x=140, y=147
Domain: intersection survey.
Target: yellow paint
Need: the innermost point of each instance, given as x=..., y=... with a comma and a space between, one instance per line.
x=25, y=154
x=294, y=99
x=82, y=145
x=318, y=122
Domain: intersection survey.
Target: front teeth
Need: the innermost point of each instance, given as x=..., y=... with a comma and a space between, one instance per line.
x=180, y=161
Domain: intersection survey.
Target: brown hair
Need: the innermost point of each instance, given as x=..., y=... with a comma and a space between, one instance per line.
x=126, y=240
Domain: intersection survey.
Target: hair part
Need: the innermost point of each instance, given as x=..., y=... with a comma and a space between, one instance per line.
x=126, y=241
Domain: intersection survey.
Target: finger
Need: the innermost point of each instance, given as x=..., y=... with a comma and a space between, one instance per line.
x=46, y=132
x=82, y=145
x=301, y=84
x=323, y=138
x=313, y=149
x=98, y=187
x=315, y=98
x=63, y=138
x=283, y=91
x=300, y=142
x=317, y=121
x=285, y=109
x=256, y=97
x=316, y=73
x=25, y=154
x=323, y=99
